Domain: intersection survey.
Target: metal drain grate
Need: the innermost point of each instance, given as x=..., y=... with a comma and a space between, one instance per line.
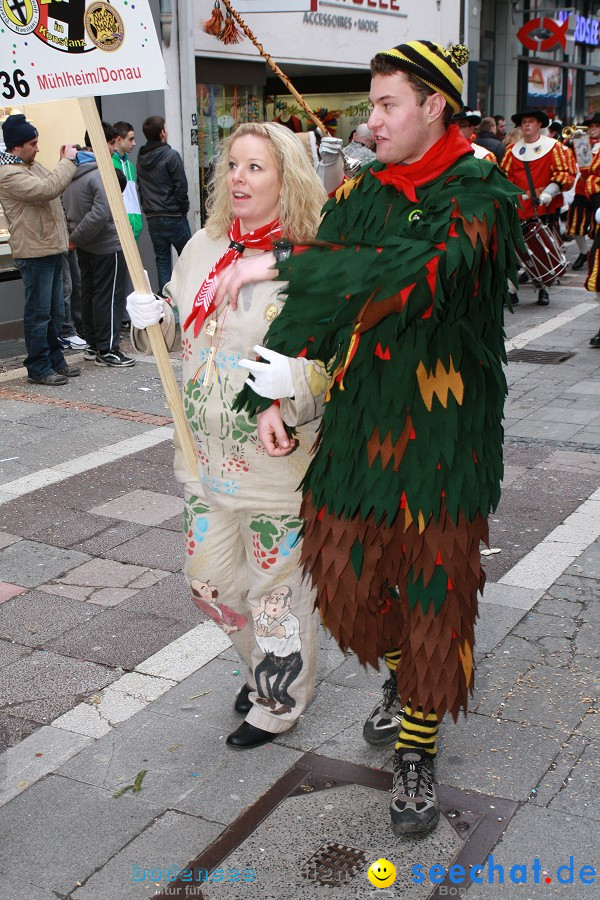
x=334, y=864
x=539, y=357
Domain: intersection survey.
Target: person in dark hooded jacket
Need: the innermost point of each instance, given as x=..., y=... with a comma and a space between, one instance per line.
x=93, y=233
x=164, y=194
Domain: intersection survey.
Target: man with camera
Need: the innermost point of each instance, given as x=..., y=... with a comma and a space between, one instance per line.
x=38, y=236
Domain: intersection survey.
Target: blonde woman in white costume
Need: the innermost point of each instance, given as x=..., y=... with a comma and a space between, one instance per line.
x=242, y=510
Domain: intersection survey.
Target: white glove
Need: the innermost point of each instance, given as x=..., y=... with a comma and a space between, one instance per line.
x=145, y=309
x=545, y=198
x=330, y=150
x=272, y=379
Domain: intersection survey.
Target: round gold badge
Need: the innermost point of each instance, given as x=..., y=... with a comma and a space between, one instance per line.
x=271, y=312
x=104, y=26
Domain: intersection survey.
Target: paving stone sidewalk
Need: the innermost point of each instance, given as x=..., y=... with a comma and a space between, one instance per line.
x=532, y=736
x=107, y=670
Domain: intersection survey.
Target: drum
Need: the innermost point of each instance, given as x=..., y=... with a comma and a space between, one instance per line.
x=544, y=259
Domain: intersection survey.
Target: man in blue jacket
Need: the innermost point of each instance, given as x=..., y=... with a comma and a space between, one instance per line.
x=164, y=193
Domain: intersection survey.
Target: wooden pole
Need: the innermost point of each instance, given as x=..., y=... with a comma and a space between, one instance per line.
x=273, y=65
x=139, y=280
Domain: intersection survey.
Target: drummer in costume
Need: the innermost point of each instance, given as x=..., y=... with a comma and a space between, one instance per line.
x=404, y=297
x=592, y=190
x=580, y=219
x=552, y=169
x=467, y=120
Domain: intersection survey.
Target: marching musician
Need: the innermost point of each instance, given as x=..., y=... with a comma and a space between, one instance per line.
x=592, y=191
x=580, y=220
x=542, y=167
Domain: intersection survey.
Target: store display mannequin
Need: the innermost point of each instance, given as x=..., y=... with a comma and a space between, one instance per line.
x=290, y=121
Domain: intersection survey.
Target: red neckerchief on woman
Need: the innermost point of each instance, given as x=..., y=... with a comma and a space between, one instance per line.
x=259, y=239
x=405, y=178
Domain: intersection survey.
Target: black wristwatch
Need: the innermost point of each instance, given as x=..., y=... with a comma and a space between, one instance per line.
x=282, y=251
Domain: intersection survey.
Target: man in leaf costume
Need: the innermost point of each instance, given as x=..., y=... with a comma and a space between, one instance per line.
x=405, y=297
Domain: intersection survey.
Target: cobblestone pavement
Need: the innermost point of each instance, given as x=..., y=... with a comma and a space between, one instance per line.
x=108, y=671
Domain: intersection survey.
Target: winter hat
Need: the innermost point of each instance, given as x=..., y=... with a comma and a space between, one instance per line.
x=16, y=131
x=436, y=67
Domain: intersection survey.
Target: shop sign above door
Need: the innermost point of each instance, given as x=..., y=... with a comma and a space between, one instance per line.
x=543, y=34
x=51, y=50
x=275, y=6
x=586, y=29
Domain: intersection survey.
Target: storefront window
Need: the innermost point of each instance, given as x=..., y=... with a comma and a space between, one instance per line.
x=544, y=87
x=592, y=83
x=340, y=113
x=220, y=109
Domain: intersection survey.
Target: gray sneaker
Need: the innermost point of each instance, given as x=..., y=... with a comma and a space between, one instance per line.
x=51, y=379
x=415, y=807
x=383, y=724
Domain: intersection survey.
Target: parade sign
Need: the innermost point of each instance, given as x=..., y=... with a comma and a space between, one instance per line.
x=58, y=49
x=54, y=49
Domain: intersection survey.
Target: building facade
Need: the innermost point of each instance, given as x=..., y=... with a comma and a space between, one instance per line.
x=534, y=53
x=323, y=46
x=324, y=49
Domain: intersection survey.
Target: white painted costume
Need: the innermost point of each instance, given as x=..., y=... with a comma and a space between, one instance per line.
x=242, y=511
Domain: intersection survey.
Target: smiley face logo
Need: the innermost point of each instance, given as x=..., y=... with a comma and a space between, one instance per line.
x=381, y=873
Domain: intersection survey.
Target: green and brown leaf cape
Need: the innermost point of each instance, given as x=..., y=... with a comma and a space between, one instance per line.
x=406, y=299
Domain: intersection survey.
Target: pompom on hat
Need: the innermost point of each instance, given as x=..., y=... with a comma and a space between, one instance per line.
x=16, y=131
x=435, y=66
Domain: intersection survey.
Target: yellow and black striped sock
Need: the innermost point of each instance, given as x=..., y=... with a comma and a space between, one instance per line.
x=418, y=731
x=392, y=658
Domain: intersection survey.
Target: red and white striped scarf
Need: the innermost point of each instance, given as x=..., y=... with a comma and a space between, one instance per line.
x=259, y=239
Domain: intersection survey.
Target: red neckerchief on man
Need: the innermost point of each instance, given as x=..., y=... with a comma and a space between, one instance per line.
x=259, y=239
x=405, y=178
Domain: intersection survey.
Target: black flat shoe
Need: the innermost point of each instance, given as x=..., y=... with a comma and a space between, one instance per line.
x=242, y=703
x=543, y=297
x=580, y=262
x=595, y=341
x=247, y=736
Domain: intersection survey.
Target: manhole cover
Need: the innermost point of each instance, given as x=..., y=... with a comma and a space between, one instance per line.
x=280, y=839
x=539, y=357
x=334, y=864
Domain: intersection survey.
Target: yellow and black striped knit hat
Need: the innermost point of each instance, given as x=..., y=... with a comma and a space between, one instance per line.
x=435, y=66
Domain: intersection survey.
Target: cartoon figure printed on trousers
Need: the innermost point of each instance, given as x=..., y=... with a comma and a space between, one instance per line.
x=205, y=595
x=277, y=632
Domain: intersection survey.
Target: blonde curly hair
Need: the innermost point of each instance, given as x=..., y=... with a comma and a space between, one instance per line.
x=302, y=193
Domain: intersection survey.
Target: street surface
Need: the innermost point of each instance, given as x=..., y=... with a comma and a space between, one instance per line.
x=107, y=670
